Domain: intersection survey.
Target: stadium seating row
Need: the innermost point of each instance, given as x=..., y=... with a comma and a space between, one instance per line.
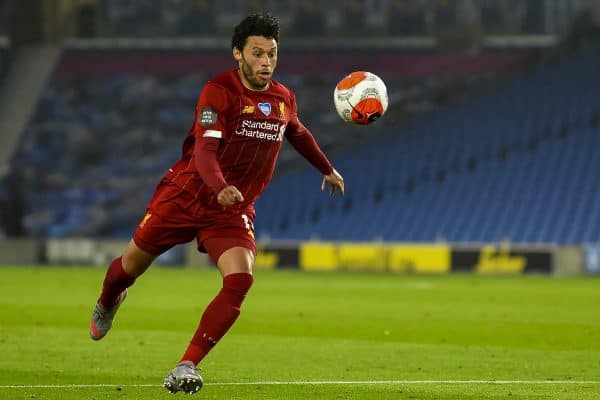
x=101, y=138
x=513, y=163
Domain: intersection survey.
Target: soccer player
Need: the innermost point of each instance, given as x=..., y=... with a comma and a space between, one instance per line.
x=228, y=159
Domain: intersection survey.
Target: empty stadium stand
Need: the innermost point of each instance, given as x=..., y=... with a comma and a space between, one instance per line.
x=514, y=163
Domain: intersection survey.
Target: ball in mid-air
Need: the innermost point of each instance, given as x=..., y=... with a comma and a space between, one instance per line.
x=360, y=98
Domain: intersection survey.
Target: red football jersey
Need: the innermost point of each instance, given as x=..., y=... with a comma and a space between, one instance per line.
x=251, y=126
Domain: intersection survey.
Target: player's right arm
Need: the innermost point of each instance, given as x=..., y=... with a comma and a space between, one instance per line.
x=209, y=130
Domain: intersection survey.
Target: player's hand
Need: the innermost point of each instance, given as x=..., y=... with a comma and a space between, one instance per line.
x=229, y=195
x=335, y=180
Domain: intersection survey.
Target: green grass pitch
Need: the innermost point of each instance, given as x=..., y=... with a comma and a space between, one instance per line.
x=306, y=336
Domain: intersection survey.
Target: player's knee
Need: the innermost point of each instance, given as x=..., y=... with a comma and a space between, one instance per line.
x=238, y=284
x=135, y=260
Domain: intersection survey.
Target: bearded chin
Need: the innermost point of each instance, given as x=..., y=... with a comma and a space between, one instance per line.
x=247, y=71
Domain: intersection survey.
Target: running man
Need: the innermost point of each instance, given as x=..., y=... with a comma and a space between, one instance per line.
x=228, y=159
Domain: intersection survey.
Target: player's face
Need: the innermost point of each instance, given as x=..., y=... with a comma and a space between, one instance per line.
x=257, y=61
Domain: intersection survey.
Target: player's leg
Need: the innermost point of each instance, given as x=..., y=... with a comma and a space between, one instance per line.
x=154, y=235
x=234, y=258
x=123, y=272
x=120, y=275
x=235, y=265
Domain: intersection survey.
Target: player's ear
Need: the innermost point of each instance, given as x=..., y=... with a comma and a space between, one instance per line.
x=237, y=54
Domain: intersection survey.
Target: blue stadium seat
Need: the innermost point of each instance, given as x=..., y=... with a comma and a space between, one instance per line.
x=515, y=163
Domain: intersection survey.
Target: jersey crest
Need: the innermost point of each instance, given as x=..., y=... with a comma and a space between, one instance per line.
x=282, y=111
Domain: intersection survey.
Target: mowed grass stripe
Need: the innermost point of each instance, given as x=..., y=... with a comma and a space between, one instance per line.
x=305, y=336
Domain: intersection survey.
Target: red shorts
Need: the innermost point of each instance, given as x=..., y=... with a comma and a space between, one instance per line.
x=174, y=216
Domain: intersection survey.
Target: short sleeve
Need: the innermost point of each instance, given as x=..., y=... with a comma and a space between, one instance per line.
x=210, y=111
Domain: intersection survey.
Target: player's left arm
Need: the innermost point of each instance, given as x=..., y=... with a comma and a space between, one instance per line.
x=304, y=142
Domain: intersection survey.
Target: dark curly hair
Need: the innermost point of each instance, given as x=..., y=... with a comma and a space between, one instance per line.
x=258, y=24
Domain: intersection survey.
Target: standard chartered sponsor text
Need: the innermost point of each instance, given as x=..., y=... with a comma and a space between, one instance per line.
x=261, y=130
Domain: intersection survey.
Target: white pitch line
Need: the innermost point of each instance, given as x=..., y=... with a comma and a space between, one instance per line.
x=403, y=382
x=318, y=383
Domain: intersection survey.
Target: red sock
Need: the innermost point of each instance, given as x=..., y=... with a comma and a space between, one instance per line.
x=219, y=316
x=115, y=281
